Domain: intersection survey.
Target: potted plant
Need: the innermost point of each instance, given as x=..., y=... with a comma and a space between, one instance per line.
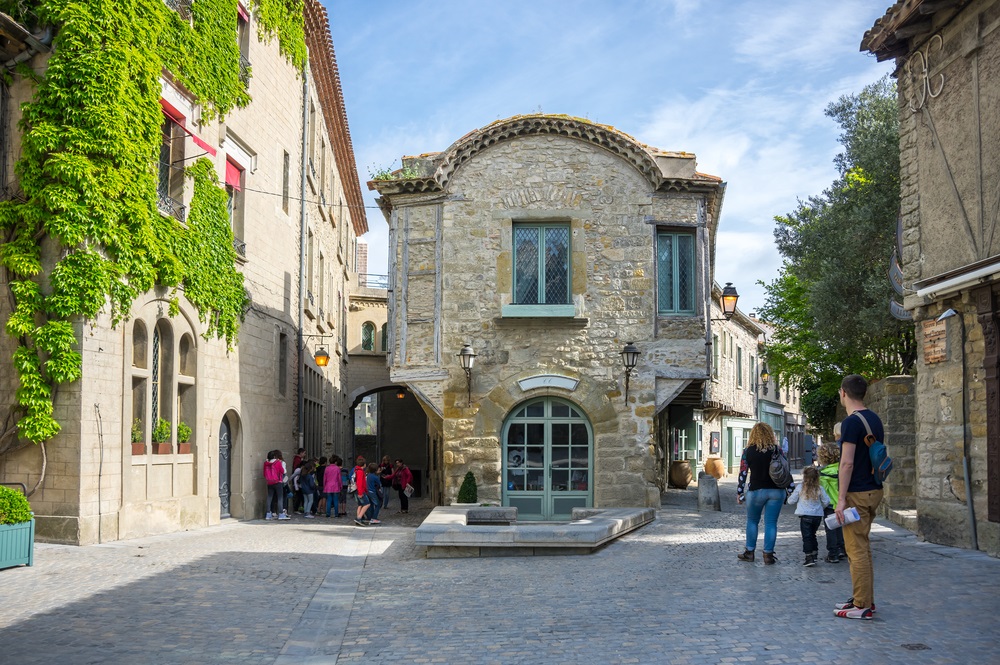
x=138, y=445
x=183, y=438
x=17, y=529
x=161, y=437
x=469, y=491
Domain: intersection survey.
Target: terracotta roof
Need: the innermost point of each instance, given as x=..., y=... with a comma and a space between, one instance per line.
x=904, y=21
x=326, y=76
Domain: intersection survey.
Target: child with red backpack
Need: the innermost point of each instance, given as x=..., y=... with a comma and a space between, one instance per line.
x=274, y=475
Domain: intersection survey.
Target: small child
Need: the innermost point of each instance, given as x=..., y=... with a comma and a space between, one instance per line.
x=810, y=511
x=307, y=482
x=374, y=491
x=829, y=480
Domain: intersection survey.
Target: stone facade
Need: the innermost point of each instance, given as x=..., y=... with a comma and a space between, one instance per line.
x=948, y=68
x=894, y=400
x=242, y=403
x=453, y=267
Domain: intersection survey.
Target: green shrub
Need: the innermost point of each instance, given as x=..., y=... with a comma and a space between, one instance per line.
x=161, y=434
x=183, y=432
x=469, y=491
x=14, y=507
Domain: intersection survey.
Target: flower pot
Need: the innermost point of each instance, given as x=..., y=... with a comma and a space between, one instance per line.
x=17, y=544
x=162, y=449
x=680, y=473
x=184, y=448
x=715, y=467
x=138, y=448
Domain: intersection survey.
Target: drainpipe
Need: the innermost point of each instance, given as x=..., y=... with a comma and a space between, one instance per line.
x=303, y=230
x=965, y=431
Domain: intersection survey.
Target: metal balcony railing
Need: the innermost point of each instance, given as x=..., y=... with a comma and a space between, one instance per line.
x=244, y=70
x=170, y=206
x=371, y=281
x=182, y=7
x=241, y=247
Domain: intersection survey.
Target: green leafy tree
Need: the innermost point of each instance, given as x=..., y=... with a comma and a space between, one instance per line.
x=830, y=303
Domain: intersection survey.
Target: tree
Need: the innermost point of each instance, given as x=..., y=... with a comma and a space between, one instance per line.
x=830, y=303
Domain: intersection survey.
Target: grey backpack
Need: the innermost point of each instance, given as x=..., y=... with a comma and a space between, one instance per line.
x=780, y=472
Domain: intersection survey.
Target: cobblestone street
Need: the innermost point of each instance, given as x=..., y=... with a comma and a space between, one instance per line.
x=324, y=591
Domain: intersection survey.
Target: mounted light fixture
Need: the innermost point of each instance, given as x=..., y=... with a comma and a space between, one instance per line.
x=321, y=357
x=729, y=298
x=630, y=356
x=468, y=358
x=401, y=393
x=765, y=376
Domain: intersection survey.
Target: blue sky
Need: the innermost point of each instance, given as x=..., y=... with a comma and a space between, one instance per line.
x=743, y=85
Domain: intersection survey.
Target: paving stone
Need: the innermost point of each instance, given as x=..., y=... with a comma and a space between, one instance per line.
x=322, y=592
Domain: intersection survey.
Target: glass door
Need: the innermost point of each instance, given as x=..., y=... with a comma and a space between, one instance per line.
x=547, y=460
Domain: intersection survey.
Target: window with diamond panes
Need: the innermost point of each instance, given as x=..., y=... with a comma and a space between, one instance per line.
x=368, y=336
x=541, y=264
x=675, y=273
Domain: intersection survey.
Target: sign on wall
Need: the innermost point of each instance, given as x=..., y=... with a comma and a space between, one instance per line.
x=935, y=340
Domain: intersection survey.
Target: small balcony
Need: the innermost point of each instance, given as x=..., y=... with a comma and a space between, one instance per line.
x=171, y=207
x=241, y=247
x=182, y=7
x=245, y=70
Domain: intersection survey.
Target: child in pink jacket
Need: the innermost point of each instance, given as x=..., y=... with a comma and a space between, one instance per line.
x=331, y=487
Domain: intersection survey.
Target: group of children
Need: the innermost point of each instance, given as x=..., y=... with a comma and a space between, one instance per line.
x=318, y=485
x=816, y=497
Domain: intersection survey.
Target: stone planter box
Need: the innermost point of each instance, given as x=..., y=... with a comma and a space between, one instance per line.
x=17, y=544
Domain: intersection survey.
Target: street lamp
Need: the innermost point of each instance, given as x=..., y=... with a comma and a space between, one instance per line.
x=321, y=357
x=467, y=357
x=765, y=376
x=630, y=356
x=729, y=298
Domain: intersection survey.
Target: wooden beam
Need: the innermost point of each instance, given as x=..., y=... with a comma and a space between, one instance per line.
x=913, y=29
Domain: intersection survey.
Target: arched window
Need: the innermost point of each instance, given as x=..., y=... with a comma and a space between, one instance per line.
x=368, y=336
x=385, y=337
x=139, y=344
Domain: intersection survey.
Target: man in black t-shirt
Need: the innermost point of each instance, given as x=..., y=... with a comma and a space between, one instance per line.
x=858, y=488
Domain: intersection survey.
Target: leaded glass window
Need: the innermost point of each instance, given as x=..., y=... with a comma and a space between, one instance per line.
x=675, y=273
x=368, y=336
x=541, y=264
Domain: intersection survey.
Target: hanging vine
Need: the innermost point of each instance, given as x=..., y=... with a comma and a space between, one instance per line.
x=85, y=233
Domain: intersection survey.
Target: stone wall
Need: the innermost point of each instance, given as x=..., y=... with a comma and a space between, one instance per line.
x=893, y=399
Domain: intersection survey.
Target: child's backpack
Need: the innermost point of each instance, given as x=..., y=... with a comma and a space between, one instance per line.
x=272, y=472
x=877, y=453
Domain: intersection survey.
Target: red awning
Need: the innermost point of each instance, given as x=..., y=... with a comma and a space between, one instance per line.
x=171, y=111
x=233, y=173
x=241, y=10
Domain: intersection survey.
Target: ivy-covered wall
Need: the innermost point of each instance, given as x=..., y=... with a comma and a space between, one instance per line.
x=87, y=174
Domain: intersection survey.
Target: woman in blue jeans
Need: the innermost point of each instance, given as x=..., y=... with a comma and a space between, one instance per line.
x=764, y=497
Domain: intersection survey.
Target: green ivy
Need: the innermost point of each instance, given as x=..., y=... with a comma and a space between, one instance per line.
x=90, y=145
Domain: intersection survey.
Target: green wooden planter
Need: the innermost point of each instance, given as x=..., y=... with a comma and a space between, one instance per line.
x=17, y=544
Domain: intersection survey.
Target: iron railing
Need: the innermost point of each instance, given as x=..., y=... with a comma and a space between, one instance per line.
x=245, y=70
x=241, y=247
x=371, y=281
x=171, y=207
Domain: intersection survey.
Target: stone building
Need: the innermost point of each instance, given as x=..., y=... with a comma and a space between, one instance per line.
x=546, y=244
x=296, y=210
x=947, y=56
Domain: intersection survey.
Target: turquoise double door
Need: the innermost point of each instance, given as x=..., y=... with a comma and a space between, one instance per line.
x=548, y=460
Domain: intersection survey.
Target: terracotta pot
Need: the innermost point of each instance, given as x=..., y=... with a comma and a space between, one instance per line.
x=680, y=474
x=715, y=467
x=162, y=449
x=138, y=448
x=184, y=448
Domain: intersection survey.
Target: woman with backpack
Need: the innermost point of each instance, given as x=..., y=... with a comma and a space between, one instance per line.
x=764, y=497
x=274, y=475
x=332, y=484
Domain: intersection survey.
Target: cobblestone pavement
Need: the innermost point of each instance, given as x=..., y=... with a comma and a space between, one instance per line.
x=323, y=591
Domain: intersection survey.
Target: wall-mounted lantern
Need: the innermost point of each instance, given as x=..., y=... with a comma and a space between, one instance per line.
x=468, y=358
x=630, y=356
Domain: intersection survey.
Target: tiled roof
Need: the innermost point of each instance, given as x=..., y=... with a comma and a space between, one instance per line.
x=905, y=20
x=326, y=76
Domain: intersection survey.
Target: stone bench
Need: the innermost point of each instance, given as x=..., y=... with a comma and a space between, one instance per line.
x=474, y=531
